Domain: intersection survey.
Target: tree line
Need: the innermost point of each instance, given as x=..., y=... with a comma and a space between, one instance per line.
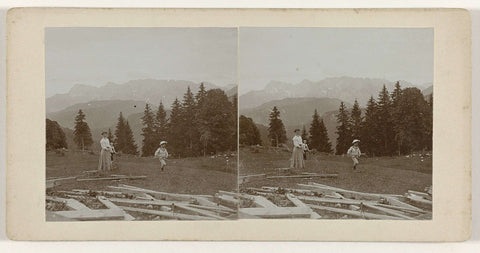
x=317, y=135
x=200, y=124
x=395, y=123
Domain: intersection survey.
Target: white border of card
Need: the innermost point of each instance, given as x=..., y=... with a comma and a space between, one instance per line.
x=452, y=126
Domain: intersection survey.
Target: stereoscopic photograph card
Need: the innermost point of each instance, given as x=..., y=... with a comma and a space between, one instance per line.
x=239, y=124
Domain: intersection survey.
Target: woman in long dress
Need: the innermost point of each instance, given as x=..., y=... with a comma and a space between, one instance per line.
x=297, y=154
x=105, y=163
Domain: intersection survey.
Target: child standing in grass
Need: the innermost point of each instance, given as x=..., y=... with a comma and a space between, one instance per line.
x=162, y=154
x=354, y=153
x=305, y=149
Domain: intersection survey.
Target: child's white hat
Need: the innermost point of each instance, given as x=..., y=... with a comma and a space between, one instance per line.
x=355, y=141
x=163, y=142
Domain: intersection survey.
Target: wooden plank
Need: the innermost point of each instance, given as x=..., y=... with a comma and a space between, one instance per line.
x=263, y=202
x=72, y=203
x=399, y=208
x=232, y=194
x=295, y=201
x=419, y=201
x=213, y=209
x=299, y=203
x=250, y=178
x=334, y=201
x=277, y=213
x=336, y=195
x=170, y=215
x=227, y=200
x=345, y=193
x=358, y=214
x=200, y=211
x=112, y=206
x=145, y=202
x=100, y=192
x=389, y=212
x=305, y=176
x=421, y=194
x=146, y=196
x=111, y=178
x=291, y=190
x=396, y=202
x=76, y=205
x=155, y=194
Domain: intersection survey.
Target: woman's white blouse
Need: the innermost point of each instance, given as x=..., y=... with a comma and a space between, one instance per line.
x=105, y=143
x=297, y=141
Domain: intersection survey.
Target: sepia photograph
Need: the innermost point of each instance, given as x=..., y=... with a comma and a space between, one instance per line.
x=201, y=124
x=141, y=123
x=336, y=123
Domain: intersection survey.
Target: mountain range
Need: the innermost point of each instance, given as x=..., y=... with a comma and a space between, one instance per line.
x=293, y=111
x=296, y=113
x=296, y=102
x=150, y=90
x=344, y=88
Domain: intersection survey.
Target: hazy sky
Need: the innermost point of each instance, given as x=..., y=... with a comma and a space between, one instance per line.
x=295, y=54
x=96, y=56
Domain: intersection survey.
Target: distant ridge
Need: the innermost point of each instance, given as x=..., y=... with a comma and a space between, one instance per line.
x=344, y=88
x=150, y=90
x=293, y=111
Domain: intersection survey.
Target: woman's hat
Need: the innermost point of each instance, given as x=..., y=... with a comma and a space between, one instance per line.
x=163, y=142
x=296, y=130
x=355, y=141
x=104, y=133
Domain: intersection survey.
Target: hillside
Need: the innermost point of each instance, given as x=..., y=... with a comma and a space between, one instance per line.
x=99, y=114
x=343, y=88
x=293, y=111
x=150, y=90
x=102, y=115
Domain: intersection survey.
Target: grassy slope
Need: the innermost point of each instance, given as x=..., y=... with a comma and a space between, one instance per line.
x=189, y=175
x=393, y=175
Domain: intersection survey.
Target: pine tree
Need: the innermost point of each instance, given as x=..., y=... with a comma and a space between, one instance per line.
x=304, y=133
x=385, y=122
x=110, y=135
x=149, y=142
x=396, y=115
x=235, y=118
x=248, y=132
x=130, y=146
x=175, y=130
x=414, y=129
x=55, y=136
x=343, y=130
x=201, y=94
x=276, y=129
x=369, y=134
x=318, y=135
x=161, y=123
x=216, y=122
x=119, y=143
x=190, y=126
x=356, y=123
x=81, y=133
x=315, y=132
x=429, y=124
x=325, y=145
